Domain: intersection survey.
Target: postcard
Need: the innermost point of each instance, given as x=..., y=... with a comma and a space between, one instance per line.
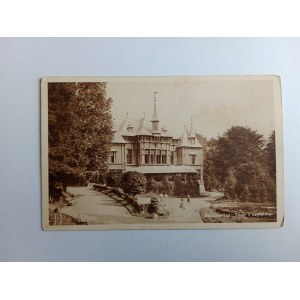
x=190, y=152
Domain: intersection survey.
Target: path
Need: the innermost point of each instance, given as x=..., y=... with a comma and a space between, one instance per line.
x=95, y=207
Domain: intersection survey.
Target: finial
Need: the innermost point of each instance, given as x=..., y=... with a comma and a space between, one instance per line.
x=127, y=115
x=155, y=93
x=144, y=115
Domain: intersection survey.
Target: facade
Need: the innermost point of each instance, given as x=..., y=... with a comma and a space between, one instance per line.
x=144, y=146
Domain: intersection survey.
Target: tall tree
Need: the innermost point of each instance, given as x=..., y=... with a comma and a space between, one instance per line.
x=270, y=155
x=239, y=162
x=80, y=130
x=209, y=172
x=238, y=146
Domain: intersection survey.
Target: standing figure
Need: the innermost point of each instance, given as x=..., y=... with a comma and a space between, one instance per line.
x=165, y=199
x=182, y=207
x=188, y=199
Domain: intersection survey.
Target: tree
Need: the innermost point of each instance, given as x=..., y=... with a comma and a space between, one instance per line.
x=270, y=155
x=245, y=194
x=230, y=184
x=80, y=131
x=209, y=165
x=238, y=146
x=151, y=185
x=178, y=186
x=133, y=183
x=202, y=140
x=241, y=163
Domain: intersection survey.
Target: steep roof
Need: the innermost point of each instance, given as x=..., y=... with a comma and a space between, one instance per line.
x=118, y=139
x=188, y=140
x=139, y=127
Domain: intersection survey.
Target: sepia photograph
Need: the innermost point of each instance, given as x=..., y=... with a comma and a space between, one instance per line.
x=161, y=152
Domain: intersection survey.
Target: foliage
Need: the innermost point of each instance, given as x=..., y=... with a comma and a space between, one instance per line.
x=209, y=166
x=133, y=183
x=230, y=184
x=153, y=206
x=238, y=146
x=202, y=140
x=182, y=188
x=178, y=186
x=80, y=133
x=241, y=164
x=152, y=185
x=113, y=179
x=270, y=155
x=162, y=186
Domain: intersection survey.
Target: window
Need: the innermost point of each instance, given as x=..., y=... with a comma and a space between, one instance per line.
x=172, y=158
x=112, y=156
x=158, y=157
x=129, y=156
x=152, y=157
x=164, y=157
x=193, y=159
x=147, y=156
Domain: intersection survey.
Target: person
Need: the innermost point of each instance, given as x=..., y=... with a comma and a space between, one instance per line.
x=188, y=199
x=165, y=200
x=182, y=207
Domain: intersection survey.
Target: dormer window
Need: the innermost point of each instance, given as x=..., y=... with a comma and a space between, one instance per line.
x=130, y=128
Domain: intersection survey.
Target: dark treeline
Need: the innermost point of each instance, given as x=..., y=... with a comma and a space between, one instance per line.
x=242, y=164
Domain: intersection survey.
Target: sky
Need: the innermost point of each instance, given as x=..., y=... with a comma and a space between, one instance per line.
x=214, y=105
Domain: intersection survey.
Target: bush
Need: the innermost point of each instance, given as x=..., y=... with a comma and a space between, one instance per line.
x=133, y=183
x=119, y=192
x=152, y=208
x=113, y=179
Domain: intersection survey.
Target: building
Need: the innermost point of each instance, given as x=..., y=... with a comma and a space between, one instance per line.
x=147, y=147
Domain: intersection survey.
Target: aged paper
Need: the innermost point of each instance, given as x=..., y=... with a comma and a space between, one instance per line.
x=162, y=152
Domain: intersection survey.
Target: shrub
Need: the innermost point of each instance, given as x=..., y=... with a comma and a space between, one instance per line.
x=133, y=183
x=113, y=179
x=152, y=208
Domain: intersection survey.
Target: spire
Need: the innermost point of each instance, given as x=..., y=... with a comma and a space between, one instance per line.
x=154, y=116
x=192, y=132
x=154, y=120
